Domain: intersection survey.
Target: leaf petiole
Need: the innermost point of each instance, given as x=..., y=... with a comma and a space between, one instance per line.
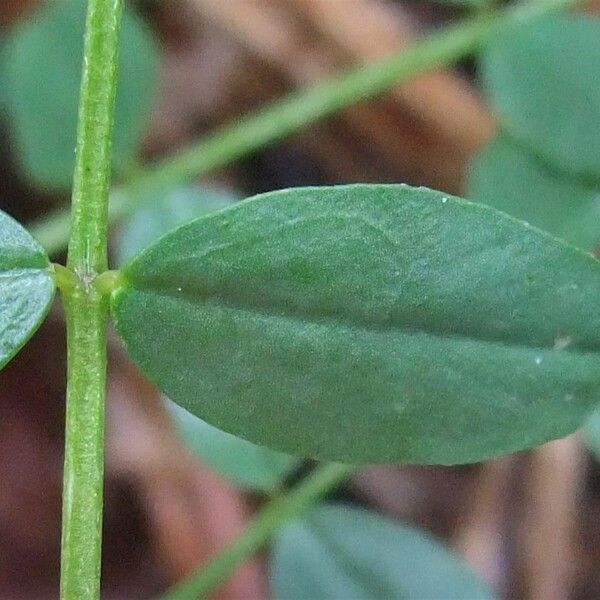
x=109, y=281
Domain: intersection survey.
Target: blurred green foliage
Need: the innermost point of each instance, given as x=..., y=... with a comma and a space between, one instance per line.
x=41, y=61
x=336, y=552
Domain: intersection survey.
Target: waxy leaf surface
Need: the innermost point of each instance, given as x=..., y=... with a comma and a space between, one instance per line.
x=368, y=323
x=26, y=287
x=339, y=552
x=508, y=177
x=542, y=79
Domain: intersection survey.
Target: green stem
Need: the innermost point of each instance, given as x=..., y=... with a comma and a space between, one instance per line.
x=87, y=309
x=291, y=114
x=271, y=518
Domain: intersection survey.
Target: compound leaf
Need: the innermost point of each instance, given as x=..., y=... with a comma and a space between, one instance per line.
x=43, y=61
x=368, y=323
x=26, y=287
x=341, y=552
x=508, y=177
x=543, y=80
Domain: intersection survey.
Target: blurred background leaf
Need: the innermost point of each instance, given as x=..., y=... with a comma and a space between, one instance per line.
x=42, y=61
x=336, y=552
x=167, y=211
x=507, y=176
x=246, y=464
x=591, y=434
x=542, y=79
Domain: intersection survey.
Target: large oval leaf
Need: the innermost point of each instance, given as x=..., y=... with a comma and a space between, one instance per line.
x=43, y=59
x=339, y=552
x=26, y=287
x=511, y=179
x=543, y=80
x=368, y=323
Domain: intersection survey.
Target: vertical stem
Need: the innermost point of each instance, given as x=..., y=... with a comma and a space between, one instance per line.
x=87, y=309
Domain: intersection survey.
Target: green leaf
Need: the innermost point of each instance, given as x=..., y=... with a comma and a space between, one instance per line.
x=368, y=323
x=26, y=287
x=543, y=81
x=511, y=179
x=245, y=464
x=240, y=461
x=43, y=60
x=167, y=211
x=591, y=434
x=341, y=552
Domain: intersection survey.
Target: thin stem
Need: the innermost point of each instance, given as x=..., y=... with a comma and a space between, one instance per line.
x=291, y=114
x=87, y=309
x=271, y=518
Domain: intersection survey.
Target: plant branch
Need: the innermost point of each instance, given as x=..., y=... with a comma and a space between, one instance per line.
x=271, y=518
x=291, y=114
x=87, y=309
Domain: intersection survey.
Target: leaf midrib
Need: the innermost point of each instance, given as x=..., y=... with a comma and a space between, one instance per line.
x=194, y=298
